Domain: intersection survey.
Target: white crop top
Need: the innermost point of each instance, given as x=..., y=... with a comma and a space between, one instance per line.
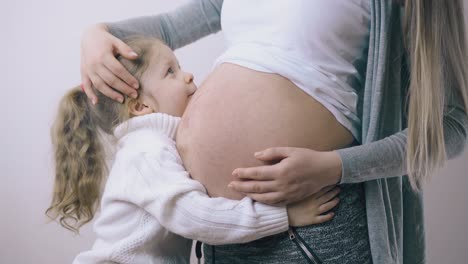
x=319, y=45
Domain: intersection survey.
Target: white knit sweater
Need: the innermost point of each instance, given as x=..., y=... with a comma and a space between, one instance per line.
x=150, y=203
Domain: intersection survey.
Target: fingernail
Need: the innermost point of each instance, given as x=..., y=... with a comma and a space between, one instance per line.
x=135, y=85
x=234, y=173
x=256, y=154
x=94, y=101
x=134, y=95
x=121, y=99
x=132, y=53
x=230, y=185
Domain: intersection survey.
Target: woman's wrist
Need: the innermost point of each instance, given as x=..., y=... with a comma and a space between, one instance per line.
x=99, y=27
x=102, y=26
x=335, y=172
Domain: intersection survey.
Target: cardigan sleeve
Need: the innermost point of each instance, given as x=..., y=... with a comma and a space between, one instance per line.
x=387, y=157
x=184, y=25
x=182, y=206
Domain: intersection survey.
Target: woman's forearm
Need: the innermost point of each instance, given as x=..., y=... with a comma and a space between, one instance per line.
x=177, y=28
x=387, y=157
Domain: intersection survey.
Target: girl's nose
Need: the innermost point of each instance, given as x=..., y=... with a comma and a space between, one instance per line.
x=188, y=77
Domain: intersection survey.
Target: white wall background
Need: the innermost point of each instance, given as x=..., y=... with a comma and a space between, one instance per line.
x=40, y=50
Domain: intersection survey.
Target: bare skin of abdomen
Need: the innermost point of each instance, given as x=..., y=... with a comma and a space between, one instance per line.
x=238, y=111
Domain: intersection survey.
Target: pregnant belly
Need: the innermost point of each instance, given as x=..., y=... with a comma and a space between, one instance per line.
x=238, y=111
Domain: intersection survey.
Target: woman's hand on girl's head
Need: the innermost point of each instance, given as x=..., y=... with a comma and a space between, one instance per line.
x=101, y=69
x=299, y=173
x=313, y=210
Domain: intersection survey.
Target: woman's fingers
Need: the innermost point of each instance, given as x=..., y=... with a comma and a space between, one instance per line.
x=259, y=173
x=86, y=86
x=253, y=186
x=86, y=83
x=117, y=84
x=108, y=83
x=328, y=205
x=122, y=76
x=123, y=49
x=121, y=79
x=328, y=196
x=323, y=218
x=104, y=88
x=273, y=154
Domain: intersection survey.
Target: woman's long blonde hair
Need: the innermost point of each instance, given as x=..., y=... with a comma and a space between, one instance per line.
x=435, y=37
x=79, y=156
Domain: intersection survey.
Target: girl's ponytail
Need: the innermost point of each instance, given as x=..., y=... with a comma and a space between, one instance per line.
x=79, y=162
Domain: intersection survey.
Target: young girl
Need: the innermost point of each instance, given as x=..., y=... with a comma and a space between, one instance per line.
x=150, y=207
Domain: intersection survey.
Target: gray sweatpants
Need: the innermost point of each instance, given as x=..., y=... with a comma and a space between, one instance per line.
x=342, y=240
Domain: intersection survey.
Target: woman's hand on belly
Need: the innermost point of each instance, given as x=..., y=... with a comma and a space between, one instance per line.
x=296, y=173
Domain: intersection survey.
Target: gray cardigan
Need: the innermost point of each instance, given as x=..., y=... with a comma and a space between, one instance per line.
x=394, y=211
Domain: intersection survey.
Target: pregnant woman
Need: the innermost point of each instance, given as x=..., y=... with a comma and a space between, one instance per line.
x=319, y=77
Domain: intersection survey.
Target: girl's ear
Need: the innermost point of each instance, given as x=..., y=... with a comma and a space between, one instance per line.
x=138, y=108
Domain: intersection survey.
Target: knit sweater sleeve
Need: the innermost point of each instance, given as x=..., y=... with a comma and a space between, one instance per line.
x=387, y=157
x=182, y=205
x=184, y=25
